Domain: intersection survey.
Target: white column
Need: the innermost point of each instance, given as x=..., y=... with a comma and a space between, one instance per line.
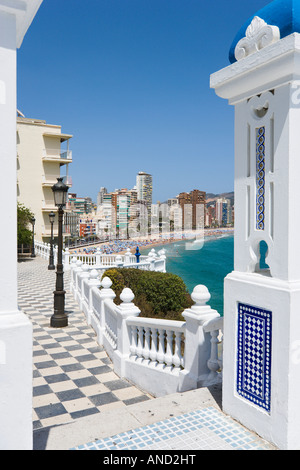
x=105, y=293
x=197, y=341
x=261, y=367
x=15, y=328
x=94, y=282
x=124, y=310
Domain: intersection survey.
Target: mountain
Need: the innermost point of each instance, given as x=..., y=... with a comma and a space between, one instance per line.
x=210, y=197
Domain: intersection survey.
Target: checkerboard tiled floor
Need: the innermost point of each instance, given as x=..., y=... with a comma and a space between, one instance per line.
x=72, y=375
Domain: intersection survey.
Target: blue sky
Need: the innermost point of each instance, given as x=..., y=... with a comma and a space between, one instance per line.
x=130, y=80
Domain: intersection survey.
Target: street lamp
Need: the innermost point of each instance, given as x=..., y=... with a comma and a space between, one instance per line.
x=51, y=257
x=32, y=245
x=59, y=319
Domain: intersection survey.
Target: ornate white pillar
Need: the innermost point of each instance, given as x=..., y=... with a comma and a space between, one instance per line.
x=15, y=328
x=261, y=367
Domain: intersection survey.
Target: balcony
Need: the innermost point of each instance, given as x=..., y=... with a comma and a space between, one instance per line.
x=56, y=155
x=48, y=205
x=49, y=181
x=68, y=180
x=46, y=231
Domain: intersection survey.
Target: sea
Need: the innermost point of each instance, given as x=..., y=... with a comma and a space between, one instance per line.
x=206, y=263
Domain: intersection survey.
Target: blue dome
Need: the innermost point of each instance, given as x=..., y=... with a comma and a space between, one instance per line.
x=282, y=13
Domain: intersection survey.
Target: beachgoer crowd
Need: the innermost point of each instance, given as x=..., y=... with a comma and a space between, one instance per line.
x=120, y=246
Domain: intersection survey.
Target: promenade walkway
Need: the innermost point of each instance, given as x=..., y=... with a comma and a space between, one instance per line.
x=80, y=403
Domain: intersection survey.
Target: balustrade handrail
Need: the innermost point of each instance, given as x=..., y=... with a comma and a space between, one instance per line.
x=213, y=325
x=171, y=325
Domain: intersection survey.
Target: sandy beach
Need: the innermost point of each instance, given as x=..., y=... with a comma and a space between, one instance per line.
x=121, y=246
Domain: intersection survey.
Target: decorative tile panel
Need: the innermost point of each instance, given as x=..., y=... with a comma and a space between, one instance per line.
x=260, y=178
x=254, y=355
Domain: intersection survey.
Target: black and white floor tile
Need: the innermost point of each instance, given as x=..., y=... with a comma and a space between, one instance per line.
x=72, y=375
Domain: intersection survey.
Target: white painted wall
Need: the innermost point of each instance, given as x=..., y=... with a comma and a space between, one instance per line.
x=268, y=78
x=15, y=328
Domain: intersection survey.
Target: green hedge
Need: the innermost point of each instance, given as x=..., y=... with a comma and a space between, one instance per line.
x=159, y=295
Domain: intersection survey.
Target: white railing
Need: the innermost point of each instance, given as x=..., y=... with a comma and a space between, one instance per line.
x=57, y=153
x=43, y=250
x=157, y=341
x=159, y=356
x=99, y=261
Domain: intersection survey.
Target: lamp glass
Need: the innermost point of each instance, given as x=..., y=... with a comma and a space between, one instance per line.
x=60, y=193
x=52, y=217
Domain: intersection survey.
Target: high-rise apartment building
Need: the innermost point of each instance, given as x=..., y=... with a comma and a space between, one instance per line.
x=144, y=188
x=42, y=153
x=80, y=205
x=100, y=196
x=193, y=208
x=223, y=211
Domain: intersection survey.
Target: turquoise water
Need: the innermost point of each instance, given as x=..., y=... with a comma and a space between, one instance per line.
x=208, y=265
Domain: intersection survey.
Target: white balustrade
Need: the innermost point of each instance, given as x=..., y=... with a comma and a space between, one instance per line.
x=160, y=356
x=157, y=341
x=152, y=262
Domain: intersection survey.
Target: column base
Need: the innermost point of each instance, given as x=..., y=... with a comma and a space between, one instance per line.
x=261, y=366
x=59, y=321
x=16, y=381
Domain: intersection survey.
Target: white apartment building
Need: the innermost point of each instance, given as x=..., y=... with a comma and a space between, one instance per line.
x=223, y=211
x=144, y=188
x=43, y=155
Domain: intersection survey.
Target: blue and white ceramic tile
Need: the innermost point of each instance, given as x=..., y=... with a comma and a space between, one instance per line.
x=254, y=355
x=260, y=178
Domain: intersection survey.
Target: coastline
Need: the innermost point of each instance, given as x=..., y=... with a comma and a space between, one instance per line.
x=121, y=246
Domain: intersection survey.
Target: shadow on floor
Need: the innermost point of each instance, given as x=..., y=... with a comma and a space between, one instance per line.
x=216, y=392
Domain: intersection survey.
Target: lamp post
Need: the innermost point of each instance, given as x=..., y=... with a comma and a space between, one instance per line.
x=51, y=257
x=59, y=319
x=32, y=245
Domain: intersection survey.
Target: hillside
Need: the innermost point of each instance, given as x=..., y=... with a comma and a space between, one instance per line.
x=210, y=197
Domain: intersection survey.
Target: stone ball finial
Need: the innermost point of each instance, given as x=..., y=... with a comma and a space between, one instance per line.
x=127, y=295
x=106, y=283
x=200, y=295
x=94, y=274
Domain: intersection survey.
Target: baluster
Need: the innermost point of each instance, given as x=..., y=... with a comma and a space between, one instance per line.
x=220, y=352
x=133, y=343
x=177, y=357
x=146, y=352
x=169, y=349
x=140, y=345
x=213, y=363
x=161, y=346
x=153, y=350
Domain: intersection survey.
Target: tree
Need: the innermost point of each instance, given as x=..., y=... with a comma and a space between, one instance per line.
x=24, y=217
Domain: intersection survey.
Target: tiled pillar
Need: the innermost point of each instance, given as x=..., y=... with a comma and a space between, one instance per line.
x=261, y=370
